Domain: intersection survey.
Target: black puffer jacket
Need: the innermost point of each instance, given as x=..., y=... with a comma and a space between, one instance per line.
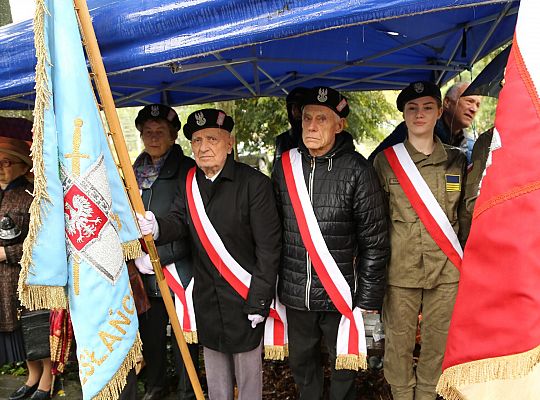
x=350, y=208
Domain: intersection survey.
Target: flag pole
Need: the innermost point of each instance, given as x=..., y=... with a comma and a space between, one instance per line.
x=107, y=102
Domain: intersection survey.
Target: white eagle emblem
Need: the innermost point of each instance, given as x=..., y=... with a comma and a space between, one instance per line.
x=199, y=118
x=418, y=87
x=78, y=218
x=154, y=110
x=323, y=95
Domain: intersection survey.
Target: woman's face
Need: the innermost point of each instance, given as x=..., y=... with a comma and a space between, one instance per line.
x=11, y=168
x=157, y=138
x=421, y=115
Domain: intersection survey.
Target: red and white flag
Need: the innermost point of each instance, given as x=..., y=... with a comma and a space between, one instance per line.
x=493, y=347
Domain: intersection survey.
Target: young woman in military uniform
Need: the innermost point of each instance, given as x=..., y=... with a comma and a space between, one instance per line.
x=422, y=273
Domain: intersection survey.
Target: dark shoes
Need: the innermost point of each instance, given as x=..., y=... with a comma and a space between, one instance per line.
x=24, y=392
x=155, y=393
x=41, y=395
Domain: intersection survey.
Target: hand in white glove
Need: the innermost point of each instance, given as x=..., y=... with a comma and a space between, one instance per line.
x=255, y=319
x=148, y=224
x=144, y=265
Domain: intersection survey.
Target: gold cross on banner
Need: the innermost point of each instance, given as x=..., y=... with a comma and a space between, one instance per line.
x=76, y=155
x=76, y=170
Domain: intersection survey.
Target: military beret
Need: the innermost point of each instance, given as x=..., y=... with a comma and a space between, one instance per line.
x=16, y=128
x=328, y=97
x=155, y=112
x=416, y=90
x=207, y=118
x=296, y=96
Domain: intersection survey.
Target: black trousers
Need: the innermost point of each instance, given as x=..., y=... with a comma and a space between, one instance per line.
x=153, y=330
x=306, y=329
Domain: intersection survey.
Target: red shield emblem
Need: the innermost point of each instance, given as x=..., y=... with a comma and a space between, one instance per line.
x=84, y=219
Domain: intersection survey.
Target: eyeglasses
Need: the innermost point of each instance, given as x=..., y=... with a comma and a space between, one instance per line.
x=9, y=163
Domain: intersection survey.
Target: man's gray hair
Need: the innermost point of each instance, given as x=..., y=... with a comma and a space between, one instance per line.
x=455, y=90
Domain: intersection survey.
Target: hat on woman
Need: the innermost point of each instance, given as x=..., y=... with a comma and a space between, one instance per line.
x=16, y=128
x=155, y=112
x=17, y=148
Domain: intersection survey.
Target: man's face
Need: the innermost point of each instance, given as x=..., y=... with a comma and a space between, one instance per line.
x=157, y=138
x=461, y=112
x=319, y=128
x=421, y=115
x=210, y=148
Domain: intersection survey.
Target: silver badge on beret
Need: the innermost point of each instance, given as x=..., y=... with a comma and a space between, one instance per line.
x=154, y=111
x=199, y=118
x=418, y=87
x=323, y=95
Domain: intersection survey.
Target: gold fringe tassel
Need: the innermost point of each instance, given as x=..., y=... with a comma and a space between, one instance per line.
x=43, y=297
x=191, y=337
x=351, y=361
x=277, y=353
x=498, y=368
x=132, y=249
x=115, y=386
x=34, y=297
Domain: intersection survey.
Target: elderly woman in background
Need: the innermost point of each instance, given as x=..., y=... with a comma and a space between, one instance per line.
x=160, y=169
x=15, y=199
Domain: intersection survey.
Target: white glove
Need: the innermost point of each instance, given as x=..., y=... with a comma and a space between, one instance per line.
x=144, y=265
x=148, y=224
x=255, y=319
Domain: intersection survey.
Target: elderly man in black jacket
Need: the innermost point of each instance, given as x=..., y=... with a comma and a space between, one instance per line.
x=228, y=210
x=335, y=246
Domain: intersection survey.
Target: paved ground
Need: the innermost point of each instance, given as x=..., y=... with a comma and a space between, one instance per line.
x=72, y=389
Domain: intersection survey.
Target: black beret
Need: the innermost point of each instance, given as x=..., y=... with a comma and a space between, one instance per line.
x=296, y=96
x=155, y=112
x=331, y=98
x=416, y=90
x=207, y=118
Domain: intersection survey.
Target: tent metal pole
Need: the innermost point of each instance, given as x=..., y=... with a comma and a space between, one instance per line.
x=104, y=91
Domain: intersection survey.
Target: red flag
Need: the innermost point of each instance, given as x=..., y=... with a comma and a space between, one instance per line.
x=494, y=336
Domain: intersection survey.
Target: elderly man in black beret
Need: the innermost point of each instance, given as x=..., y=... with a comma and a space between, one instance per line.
x=335, y=246
x=228, y=210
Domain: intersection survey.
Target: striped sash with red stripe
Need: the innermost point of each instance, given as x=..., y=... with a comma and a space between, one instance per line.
x=275, y=338
x=424, y=203
x=351, y=341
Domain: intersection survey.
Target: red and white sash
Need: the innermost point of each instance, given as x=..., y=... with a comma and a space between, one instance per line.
x=424, y=203
x=351, y=339
x=183, y=303
x=275, y=335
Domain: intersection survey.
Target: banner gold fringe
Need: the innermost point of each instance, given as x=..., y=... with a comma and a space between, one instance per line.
x=276, y=352
x=498, y=368
x=115, y=386
x=44, y=297
x=191, y=337
x=132, y=249
x=351, y=361
x=35, y=297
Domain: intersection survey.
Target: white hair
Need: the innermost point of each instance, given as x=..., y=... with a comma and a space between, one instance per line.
x=456, y=89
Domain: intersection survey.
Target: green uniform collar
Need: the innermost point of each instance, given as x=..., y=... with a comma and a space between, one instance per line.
x=438, y=156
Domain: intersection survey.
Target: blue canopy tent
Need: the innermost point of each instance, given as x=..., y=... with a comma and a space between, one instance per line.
x=187, y=52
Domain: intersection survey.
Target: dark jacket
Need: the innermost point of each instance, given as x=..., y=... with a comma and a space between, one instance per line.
x=14, y=201
x=241, y=206
x=349, y=206
x=158, y=199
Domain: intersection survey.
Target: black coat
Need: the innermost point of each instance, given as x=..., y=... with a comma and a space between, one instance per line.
x=159, y=199
x=241, y=206
x=350, y=208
